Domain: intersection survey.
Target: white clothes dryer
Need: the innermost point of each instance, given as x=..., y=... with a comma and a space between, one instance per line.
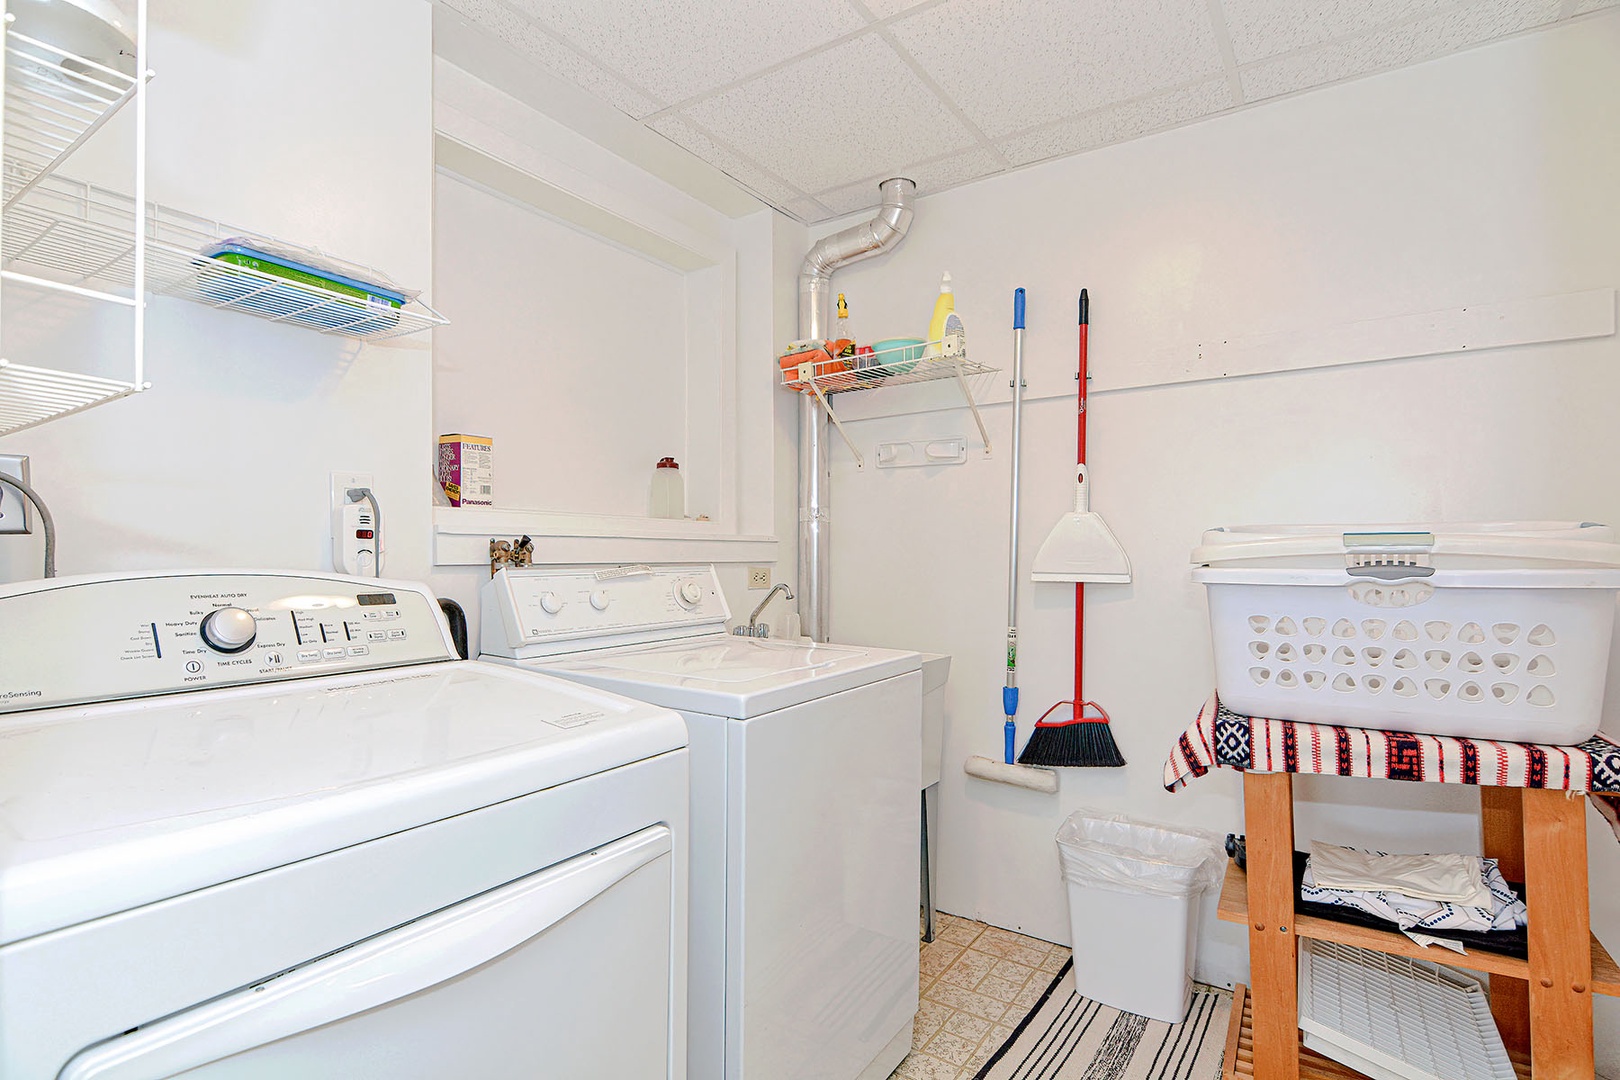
x=265, y=824
x=805, y=771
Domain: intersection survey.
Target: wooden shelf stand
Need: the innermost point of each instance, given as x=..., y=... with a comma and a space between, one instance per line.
x=1542, y=1005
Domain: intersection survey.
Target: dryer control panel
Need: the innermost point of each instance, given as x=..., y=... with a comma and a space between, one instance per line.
x=544, y=611
x=75, y=641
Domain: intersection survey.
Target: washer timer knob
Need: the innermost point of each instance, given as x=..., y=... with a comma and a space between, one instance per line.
x=228, y=630
x=550, y=603
x=689, y=593
x=599, y=599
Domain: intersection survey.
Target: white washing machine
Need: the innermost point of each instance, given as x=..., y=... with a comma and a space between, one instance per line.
x=260, y=824
x=805, y=771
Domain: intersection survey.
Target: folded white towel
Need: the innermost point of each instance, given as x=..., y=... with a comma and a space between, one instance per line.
x=1505, y=912
x=1453, y=879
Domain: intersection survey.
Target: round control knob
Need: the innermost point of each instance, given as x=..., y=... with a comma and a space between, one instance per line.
x=228, y=630
x=550, y=603
x=599, y=599
x=689, y=593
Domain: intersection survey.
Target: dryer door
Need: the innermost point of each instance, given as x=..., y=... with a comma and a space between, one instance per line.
x=564, y=972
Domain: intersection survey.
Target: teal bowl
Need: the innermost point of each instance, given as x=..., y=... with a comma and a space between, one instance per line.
x=898, y=355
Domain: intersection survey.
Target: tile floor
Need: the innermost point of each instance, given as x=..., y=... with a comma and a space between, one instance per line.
x=978, y=982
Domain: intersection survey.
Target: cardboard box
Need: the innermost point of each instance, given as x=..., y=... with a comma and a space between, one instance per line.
x=467, y=469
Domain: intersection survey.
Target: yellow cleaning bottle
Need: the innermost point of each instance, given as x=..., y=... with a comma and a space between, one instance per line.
x=943, y=306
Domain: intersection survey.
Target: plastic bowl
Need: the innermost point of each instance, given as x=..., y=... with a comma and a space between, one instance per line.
x=898, y=355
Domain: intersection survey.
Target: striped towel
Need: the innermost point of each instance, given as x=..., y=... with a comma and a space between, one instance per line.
x=1220, y=737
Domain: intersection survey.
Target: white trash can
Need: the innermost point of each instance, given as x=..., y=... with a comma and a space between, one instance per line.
x=1133, y=911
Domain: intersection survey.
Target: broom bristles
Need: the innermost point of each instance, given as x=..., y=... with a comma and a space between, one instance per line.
x=1084, y=745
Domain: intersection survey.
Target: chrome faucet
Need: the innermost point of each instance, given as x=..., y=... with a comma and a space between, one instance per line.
x=754, y=628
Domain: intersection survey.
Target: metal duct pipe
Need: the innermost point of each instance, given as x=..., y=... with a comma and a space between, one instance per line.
x=849, y=245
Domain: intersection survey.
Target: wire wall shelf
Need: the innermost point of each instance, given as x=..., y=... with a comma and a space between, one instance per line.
x=815, y=371
x=54, y=102
x=79, y=235
x=30, y=396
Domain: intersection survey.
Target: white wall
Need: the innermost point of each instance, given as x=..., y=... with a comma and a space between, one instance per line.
x=607, y=422
x=1488, y=176
x=225, y=461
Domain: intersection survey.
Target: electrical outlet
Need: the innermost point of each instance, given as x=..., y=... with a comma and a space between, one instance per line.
x=13, y=507
x=759, y=577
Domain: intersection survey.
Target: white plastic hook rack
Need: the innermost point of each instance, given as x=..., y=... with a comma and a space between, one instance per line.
x=825, y=376
x=53, y=101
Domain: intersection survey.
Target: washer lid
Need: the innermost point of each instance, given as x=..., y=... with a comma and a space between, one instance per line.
x=725, y=675
x=111, y=806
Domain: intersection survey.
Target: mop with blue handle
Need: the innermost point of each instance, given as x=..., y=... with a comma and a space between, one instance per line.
x=1007, y=770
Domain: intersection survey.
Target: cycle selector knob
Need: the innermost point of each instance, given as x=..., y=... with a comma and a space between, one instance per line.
x=550, y=603
x=599, y=600
x=228, y=630
x=689, y=593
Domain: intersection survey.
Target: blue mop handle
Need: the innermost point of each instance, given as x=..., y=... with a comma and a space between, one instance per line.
x=1009, y=731
x=1009, y=693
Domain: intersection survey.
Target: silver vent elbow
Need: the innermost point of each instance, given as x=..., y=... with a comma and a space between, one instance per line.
x=849, y=245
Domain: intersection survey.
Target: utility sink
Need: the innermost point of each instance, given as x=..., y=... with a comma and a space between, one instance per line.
x=936, y=671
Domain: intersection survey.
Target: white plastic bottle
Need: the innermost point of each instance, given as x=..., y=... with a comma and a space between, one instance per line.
x=668, y=490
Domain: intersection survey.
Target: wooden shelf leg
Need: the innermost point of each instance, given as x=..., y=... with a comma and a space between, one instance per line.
x=1268, y=818
x=1560, y=935
x=1501, y=813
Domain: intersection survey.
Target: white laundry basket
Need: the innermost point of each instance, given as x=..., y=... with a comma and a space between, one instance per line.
x=1133, y=891
x=1490, y=631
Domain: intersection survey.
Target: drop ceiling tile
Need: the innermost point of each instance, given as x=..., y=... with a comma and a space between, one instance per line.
x=835, y=117
x=1119, y=122
x=520, y=33
x=942, y=173
x=676, y=49
x=807, y=210
x=1013, y=64
x=1397, y=46
x=1266, y=28
x=850, y=199
x=930, y=176
x=745, y=172
x=884, y=8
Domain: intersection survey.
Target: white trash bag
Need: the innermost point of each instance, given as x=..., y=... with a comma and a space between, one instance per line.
x=1108, y=851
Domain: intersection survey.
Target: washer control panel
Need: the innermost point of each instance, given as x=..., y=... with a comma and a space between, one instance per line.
x=72, y=641
x=543, y=611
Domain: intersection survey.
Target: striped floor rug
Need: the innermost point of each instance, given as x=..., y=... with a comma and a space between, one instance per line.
x=1068, y=1037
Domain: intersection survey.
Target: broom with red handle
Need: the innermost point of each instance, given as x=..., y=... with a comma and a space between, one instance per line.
x=1083, y=740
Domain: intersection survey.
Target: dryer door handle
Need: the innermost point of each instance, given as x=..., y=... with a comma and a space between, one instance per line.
x=404, y=961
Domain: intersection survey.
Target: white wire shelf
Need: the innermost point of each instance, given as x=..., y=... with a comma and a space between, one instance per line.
x=30, y=395
x=55, y=100
x=81, y=237
x=892, y=367
x=814, y=371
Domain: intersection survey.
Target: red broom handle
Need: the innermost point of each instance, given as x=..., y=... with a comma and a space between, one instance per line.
x=1080, y=458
